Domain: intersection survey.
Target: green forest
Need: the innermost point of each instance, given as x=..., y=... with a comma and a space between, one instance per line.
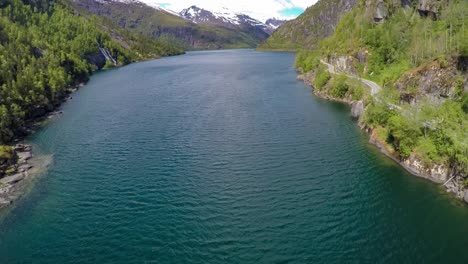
x=403, y=44
x=46, y=47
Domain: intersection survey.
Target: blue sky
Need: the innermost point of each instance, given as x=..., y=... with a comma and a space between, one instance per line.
x=259, y=9
x=292, y=12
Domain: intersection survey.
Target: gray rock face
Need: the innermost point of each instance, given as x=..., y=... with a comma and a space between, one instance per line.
x=361, y=56
x=428, y=8
x=25, y=167
x=344, y=64
x=465, y=198
x=357, y=108
x=97, y=59
x=307, y=78
x=406, y=3
x=12, y=179
x=24, y=155
x=381, y=11
x=432, y=82
x=22, y=147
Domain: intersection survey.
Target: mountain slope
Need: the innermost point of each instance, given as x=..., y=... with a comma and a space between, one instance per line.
x=45, y=48
x=417, y=51
x=274, y=23
x=159, y=24
x=228, y=19
x=317, y=22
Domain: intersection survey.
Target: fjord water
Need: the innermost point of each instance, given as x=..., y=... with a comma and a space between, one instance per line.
x=222, y=157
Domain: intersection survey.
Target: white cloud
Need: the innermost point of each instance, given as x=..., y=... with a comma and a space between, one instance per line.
x=259, y=9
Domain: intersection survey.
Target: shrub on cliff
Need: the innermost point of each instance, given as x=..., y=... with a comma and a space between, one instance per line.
x=339, y=87
x=322, y=77
x=404, y=134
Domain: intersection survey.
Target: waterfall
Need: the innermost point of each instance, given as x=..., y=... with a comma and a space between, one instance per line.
x=108, y=56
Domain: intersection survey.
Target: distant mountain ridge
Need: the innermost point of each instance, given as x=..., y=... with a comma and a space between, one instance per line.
x=193, y=28
x=229, y=19
x=275, y=23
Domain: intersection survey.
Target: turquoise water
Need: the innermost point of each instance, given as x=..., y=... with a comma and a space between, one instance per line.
x=222, y=157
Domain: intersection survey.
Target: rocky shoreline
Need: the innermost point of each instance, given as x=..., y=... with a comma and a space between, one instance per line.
x=14, y=171
x=19, y=168
x=437, y=174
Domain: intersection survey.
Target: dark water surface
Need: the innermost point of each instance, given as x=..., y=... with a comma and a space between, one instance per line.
x=222, y=157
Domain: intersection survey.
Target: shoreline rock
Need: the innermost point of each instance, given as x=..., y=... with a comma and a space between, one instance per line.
x=437, y=174
x=17, y=172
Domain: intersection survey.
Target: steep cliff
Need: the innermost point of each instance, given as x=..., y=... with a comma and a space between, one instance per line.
x=317, y=22
x=417, y=53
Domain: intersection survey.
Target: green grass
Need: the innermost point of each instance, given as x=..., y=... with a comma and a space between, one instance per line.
x=306, y=30
x=6, y=152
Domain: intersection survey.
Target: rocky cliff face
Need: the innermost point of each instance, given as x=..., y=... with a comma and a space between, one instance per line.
x=426, y=8
x=381, y=11
x=317, y=22
x=429, y=7
x=435, y=81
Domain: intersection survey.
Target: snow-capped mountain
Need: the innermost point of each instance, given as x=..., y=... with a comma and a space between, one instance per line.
x=275, y=22
x=135, y=2
x=117, y=1
x=228, y=19
x=194, y=28
x=198, y=15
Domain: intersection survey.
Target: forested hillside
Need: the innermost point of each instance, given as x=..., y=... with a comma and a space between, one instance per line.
x=417, y=51
x=317, y=22
x=45, y=49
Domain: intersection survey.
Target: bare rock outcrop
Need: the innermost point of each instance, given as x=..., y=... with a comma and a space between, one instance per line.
x=381, y=11
x=344, y=64
x=433, y=81
x=357, y=108
x=429, y=8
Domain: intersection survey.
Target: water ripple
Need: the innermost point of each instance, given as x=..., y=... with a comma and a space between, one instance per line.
x=158, y=163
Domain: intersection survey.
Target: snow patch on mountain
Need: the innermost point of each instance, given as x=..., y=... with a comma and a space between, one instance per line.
x=223, y=16
x=227, y=15
x=275, y=23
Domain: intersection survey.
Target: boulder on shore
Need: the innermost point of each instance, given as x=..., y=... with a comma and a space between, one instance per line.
x=24, y=155
x=357, y=108
x=25, y=167
x=465, y=197
x=22, y=147
x=12, y=179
